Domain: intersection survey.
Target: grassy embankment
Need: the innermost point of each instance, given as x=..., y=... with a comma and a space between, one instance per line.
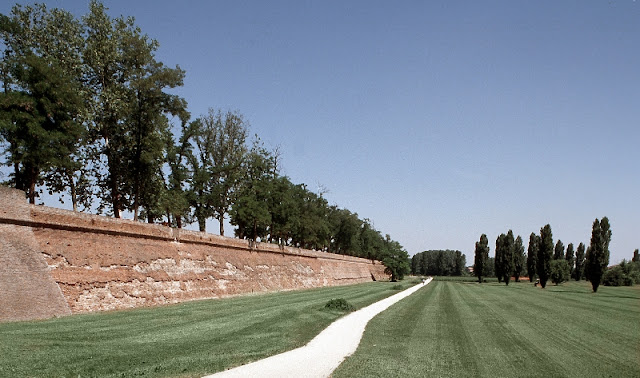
x=185, y=340
x=464, y=329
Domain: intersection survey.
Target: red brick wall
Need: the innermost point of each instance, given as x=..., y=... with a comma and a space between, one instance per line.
x=102, y=263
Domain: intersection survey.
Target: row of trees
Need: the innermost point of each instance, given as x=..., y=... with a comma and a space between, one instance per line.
x=544, y=260
x=439, y=263
x=86, y=112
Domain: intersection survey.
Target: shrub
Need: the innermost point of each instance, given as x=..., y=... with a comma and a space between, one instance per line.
x=339, y=304
x=613, y=277
x=560, y=271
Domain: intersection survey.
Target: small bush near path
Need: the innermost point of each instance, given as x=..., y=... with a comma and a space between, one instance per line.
x=339, y=304
x=464, y=329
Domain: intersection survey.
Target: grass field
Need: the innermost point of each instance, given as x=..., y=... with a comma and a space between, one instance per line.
x=464, y=329
x=190, y=339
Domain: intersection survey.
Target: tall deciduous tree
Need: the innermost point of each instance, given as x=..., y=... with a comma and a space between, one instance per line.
x=578, y=273
x=41, y=100
x=545, y=255
x=597, y=258
x=481, y=257
x=532, y=256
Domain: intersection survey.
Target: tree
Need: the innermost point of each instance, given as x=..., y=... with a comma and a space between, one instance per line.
x=545, y=254
x=250, y=212
x=499, y=258
x=481, y=257
x=570, y=257
x=41, y=103
x=518, y=258
x=558, y=251
x=508, y=257
x=532, y=256
x=228, y=133
x=636, y=256
x=460, y=264
x=559, y=271
x=597, y=258
x=395, y=260
x=578, y=272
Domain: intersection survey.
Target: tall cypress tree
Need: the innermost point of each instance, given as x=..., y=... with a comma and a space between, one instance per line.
x=569, y=256
x=518, y=258
x=481, y=257
x=507, y=257
x=598, y=252
x=579, y=270
x=532, y=256
x=499, y=260
x=559, y=251
x=545, y=254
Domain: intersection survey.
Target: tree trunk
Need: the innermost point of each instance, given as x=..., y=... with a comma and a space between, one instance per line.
x=221, y=221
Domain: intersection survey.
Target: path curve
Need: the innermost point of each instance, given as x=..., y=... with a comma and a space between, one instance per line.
x=322, y=355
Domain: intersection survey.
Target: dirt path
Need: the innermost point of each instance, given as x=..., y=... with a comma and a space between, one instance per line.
x=325, y=352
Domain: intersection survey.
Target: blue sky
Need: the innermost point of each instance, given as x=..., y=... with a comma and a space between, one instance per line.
x=437, y=120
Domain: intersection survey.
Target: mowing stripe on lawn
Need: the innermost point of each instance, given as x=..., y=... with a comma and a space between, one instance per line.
x=454, y=329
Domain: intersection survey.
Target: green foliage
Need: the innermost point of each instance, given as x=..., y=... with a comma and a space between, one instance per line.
x=41, y=105
x=597, y=257
x=545, y=255
x=558, y=251
x=636, y=256
x=627, y=273
x=570, y=257
x=395, y=260
x=560, y=271
x=481, y=257
x=442, y=263
x=578, y=272
x=505, y=250
x=518, y=258
x=339, y=304
x=532, y=256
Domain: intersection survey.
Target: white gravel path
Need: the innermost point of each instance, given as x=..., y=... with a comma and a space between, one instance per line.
x=325, y=352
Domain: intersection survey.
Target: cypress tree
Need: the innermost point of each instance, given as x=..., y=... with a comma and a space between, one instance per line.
x=545, y=254
x=481, y=257
x=579, y=270
x=636, y=255
x=569, y=256
x=598, y=252
x=507, y=257
x=532, y=255
x=518, y=258
x=499, y=260
x=559, y=251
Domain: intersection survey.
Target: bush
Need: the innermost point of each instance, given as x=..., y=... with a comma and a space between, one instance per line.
x=613, y=277
x=339, y=304
x=560, y=271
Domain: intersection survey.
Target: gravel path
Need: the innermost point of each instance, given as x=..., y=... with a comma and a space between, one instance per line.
x=325, y=352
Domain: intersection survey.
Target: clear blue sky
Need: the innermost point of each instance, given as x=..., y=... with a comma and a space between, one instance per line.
x=437, y=120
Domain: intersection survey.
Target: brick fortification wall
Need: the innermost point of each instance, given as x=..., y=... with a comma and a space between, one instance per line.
x=56, y=262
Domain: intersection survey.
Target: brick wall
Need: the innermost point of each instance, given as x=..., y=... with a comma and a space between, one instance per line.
x=101, y=263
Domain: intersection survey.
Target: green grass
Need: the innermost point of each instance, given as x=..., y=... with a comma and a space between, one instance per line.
x=464, y=329
x=185, y=340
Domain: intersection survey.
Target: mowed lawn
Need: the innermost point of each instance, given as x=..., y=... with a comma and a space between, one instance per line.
x=464, y=329
x=185, y=340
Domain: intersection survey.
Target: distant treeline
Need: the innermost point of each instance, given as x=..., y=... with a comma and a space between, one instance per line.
x=87, y=113
x=439, y=263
